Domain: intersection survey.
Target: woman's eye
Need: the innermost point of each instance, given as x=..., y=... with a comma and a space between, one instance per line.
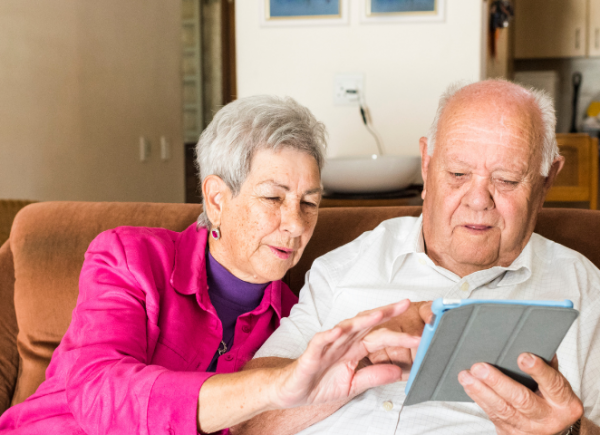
x=273, y=198
x=509, y=182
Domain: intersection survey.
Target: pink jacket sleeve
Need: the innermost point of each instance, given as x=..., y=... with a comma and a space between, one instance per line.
x=111, y=387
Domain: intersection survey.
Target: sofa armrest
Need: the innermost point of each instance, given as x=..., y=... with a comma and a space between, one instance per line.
x=9, y=357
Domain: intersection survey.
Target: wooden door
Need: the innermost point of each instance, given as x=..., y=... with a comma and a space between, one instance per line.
x=550, y=28
x=594, y=28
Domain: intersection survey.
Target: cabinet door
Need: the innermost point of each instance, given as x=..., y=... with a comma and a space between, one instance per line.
x=594, y=28
x=550, y=28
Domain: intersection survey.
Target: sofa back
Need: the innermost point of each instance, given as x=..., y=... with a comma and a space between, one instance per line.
x=48, y=241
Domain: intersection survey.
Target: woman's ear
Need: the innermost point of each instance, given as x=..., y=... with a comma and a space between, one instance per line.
x=214, y=191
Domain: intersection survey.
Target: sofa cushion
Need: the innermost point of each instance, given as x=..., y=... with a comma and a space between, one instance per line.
x=48, y=241
x=9, y=358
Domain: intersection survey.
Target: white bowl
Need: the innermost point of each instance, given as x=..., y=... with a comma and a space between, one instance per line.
x=370, y=174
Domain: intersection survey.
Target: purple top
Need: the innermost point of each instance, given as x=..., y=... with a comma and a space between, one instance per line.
x=231, y=298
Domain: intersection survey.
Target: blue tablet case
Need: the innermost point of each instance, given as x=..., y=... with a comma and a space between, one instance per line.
x=468, y=331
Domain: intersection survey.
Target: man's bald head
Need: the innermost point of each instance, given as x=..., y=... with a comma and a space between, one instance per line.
x=483, y=187
x=503, y=96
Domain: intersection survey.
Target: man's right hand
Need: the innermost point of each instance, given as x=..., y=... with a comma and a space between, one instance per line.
x=326, y=371
x=411, y=322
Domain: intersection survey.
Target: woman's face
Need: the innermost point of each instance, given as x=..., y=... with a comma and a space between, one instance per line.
x=265, y=228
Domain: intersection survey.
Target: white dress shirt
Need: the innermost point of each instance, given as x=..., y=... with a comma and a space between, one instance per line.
x=389, y=264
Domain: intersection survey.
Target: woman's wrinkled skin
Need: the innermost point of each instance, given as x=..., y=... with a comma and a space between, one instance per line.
x=266, y=226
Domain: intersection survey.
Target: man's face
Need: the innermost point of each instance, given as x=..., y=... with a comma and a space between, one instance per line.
x=483, y=187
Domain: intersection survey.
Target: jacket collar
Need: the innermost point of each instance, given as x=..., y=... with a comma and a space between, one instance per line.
x=189, y=272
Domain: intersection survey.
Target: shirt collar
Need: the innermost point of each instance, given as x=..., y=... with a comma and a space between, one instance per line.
x=189, y=272
x=517, y=272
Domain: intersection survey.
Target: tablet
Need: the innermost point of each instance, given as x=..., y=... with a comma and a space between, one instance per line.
x=464, y=332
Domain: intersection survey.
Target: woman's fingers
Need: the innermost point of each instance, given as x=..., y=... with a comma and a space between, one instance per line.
x=371, y=318
x=374, y=376
x=328, y=346
x=382, y=338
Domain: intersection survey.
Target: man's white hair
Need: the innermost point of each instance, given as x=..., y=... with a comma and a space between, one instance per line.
x=541, y=99
x=241, y=128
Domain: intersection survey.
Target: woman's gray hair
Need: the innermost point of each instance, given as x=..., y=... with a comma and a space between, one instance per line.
x=241, y=128
x=541, y=99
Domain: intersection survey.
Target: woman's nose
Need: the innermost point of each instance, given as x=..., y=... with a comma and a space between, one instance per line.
x=291, y=220
x=479, y=195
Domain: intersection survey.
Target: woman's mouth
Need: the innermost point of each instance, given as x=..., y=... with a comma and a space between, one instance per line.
x=282, y=253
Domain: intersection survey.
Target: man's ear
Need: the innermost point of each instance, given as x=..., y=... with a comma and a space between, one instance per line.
x=556, y=167
x=425, y=157
x=214, y=191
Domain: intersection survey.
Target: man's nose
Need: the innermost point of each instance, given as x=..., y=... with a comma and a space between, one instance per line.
x=479, y=195
x=292, y=220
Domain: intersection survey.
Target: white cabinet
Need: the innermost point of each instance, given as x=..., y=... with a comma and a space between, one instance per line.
x=553, y=28
x=594, y=28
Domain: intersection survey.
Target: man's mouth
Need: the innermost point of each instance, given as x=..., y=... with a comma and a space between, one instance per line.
x=477, y=228
x=282, y=253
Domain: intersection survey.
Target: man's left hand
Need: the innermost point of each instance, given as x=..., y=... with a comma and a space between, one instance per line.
x=411, y=322
x=514, y=408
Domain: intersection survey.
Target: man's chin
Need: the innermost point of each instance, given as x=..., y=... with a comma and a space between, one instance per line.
x=474, y=257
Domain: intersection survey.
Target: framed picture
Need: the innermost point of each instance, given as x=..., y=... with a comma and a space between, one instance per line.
x=303, y=12
x=378, y=11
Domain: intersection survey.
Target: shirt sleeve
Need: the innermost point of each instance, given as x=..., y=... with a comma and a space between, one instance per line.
x=306, y=318
x=110, y=386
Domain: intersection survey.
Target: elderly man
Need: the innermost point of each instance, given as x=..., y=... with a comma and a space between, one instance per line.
x=488, y=162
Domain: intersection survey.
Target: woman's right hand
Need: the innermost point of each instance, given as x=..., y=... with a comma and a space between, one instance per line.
x=326, y=371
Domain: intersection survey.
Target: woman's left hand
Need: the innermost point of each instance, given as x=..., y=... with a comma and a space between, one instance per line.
x=326, y=371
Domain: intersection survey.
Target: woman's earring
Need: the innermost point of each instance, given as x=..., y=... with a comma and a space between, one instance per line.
x=215, y=233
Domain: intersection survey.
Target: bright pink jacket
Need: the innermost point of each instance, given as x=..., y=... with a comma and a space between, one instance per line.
x=142, y=335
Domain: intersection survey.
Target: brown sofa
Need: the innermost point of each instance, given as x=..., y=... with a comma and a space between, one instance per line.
x=40, y=263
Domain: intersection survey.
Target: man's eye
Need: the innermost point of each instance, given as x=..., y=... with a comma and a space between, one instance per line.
x=509, y=182
x=458, y=174
x=309, y=204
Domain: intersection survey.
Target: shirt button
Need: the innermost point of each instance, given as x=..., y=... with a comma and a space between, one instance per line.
x=464, y=286
x=422, y=261
x=387, y=405
x=246, y=329
x=228, y=357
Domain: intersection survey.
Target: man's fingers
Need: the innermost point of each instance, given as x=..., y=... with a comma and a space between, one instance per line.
x=509, y=390
x=425, y=312
x=498, y=409
x=552, y=384
x=554, y=362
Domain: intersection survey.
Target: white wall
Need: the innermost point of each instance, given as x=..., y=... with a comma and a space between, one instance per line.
x=79, y=83
x=406, y=67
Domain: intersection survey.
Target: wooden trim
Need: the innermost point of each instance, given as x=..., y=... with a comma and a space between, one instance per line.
x=594, y=178
x=228, y=51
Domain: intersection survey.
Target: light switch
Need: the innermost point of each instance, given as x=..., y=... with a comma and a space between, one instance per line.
x=348, y=89
x=144, y=149
x=165, y=148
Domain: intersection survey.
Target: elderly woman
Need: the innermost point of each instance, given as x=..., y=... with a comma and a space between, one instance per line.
x=163, y=319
